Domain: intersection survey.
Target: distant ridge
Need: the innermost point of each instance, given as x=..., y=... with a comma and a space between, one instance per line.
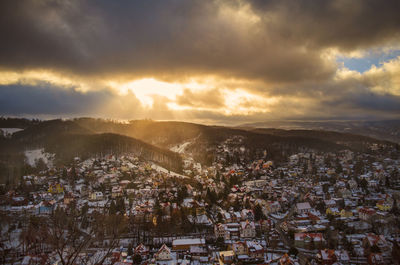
x=384, y=130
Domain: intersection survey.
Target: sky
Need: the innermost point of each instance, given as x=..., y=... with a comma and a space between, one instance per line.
x=214, y=62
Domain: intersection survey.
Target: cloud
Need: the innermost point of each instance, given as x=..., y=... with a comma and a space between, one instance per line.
x=250, y=60
x=212, y=98
x=48, y=100
x=342, y=24
x=44, y=99
x=168, y=39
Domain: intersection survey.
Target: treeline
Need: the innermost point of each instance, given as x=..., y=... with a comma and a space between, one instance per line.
x=68, y=146
x=22, y=123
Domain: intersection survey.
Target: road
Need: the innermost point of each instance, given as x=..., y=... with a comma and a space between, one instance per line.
x=303, y=256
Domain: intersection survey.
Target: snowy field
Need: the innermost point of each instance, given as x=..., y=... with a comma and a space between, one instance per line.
x=164, y=170
x=8, y=132
x=180, y=148
x=32, y=156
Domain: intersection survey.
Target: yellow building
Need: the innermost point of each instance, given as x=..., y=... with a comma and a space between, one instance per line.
x=344, y=213
x=332, y=211
x=384, y=206
x=56, y=188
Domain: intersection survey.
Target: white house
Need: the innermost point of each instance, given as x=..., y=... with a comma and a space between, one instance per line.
x=247, y=229
x=164, y=253
x=96, y=196
x=303, y=207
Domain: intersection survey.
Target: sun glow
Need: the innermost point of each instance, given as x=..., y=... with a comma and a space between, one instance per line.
x=147, y=88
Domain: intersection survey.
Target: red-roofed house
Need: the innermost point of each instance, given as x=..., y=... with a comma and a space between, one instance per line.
x=309, y=240
x=164, y=253
x=326, y=257
x=366, y=213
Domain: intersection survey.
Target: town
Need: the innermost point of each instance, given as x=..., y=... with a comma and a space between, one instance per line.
x=316, y=208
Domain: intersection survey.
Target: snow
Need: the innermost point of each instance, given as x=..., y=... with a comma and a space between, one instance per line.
x=188, y=241
x=164, y=170
x=8, y=132
x=278, y=216
x=180, y=148
x=32, y=156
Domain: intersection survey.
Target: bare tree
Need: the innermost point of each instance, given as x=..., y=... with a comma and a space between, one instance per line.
x=65, y=235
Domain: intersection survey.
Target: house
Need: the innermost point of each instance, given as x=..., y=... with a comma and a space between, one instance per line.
x=384, y=205
x=309, y=240
x=68, y=198
x=303, y=207
x=46, y=207
x=164, y=253
x=226, y=257
x=247, y=215
x=185, y=244
x=254, y=250
x=142, y=250
x=96, y=196
x=342, y=256
x=274, y=207
x=56, y=188
x=330, y=203
x=375, y=240
x=345, y=193
x=346, y=213
x=326, y=257
x=375, y=259
x=366, y=213
x=333, y=211
x=239, y=248
x=265, y=225
x=116, y=192
x=220, y=231
x=247, y=229
x=232, y=230
x=197, y=252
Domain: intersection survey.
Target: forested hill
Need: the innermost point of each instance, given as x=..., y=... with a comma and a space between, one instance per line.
x=67, y=139
x=152, y=140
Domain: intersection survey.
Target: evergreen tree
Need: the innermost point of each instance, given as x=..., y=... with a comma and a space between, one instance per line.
x=130, y=250
x=113, y=208
x=258, y=213
x=137, y=259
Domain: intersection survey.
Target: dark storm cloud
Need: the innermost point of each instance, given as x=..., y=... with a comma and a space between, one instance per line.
x=365, y=102
x=277, y=47
x=153, y=38
x=344, y=24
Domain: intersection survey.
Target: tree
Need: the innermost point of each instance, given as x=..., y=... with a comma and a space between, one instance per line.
x=64, y=234
x=375, y=249
x=359, y=167
x=236, y=204
x=64, y=173
x=212, y=196
x=258, y=213
x=364, y=184
x=137, y=259
x=220, y=242
x=339, y=168
x=347, y=244
x=321, y=207
x=41, y=165
x=293, y=251
x=182, y=193
x=113, y=208
x=130, y=250
x=325, y=188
